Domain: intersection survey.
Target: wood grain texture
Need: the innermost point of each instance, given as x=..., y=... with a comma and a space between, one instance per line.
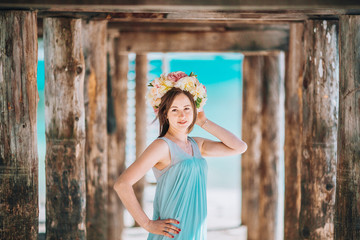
x=347, y=204
x=252, y=135
x=270, y=146
x=141, y=67
x=95, y=99
x=320, y=124
x=233, y=41
x=294, y=72
x=19, y=212
x=119, y=64
x=65, y=129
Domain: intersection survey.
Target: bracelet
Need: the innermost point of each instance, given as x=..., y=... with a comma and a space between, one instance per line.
x=204, y=123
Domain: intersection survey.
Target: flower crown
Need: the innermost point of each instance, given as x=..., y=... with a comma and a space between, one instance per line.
x=159, y=86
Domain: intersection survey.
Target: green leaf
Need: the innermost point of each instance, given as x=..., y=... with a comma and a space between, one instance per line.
x=150, y=85
x=192, y=74
x=198, y=101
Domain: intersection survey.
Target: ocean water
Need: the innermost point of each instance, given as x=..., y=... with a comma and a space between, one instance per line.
x=222, y=76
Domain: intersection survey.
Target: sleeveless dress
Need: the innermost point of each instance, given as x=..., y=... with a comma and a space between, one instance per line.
x=181, y=193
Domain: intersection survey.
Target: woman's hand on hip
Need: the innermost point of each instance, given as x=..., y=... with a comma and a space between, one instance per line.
x=163, y=227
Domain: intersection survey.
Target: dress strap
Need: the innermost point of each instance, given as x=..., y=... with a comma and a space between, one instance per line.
x=196, y=148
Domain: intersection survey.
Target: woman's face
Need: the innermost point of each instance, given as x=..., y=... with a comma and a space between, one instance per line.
x=181, y=113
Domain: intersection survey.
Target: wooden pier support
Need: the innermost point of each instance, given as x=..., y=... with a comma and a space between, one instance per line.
x=347, y=204
x=140, y=116
x=294, y=71
x=95, y=96
x=319, y=138
x=270, y=146
x=19, y=210
x=65, y=129
x=119, y=65
x=252, y=135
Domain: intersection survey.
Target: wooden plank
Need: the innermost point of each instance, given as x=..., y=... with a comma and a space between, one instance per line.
x=186, y=4
x=347, y=204
x=95, y=95
x=251, y=133
x=270, y=146
x=19, y=211
x=247, y=40
x=117, y=137
x=319, y=138
x=140, y=116
x=65, y=129
x=294, y=71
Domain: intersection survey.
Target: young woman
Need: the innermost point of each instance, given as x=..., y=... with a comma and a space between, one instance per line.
x=177, y=161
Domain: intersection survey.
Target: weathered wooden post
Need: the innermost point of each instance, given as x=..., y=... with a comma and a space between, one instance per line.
x=270, y=146
x=347, y=204
x=19, y=212
x=95, y=96
x=251, y=132
x=293, y=123
x=319, y=138
x=140, y=116
x=117, y=137
x=65, y=129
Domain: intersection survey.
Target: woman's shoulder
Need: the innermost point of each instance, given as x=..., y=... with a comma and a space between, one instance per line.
x=198, y=140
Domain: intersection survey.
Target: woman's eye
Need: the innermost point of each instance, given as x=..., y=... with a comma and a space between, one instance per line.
x=187, y=108
x=174, y=110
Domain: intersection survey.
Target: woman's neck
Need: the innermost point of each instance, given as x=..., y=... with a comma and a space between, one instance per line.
x=178, y=135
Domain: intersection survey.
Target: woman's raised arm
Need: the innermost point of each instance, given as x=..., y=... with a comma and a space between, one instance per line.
x=229, y=143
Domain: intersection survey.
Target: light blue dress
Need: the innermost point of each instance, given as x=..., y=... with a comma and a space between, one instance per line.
x=181, y=193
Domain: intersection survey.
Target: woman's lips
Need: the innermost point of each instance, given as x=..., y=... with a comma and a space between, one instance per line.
x=182, y=122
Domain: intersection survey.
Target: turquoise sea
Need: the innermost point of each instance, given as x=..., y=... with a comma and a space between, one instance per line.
x=222, y=76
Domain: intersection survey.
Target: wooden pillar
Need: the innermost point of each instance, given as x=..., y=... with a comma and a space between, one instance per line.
x=270, y=146
x=94, y=41
x=140, y=116
x=293, y=122
x=65, y=129
x=251, y=132
x=19, y=212
x=347, y=204
x=117, y=137
x=320, y=113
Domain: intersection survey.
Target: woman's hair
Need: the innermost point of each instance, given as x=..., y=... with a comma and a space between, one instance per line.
x=166, y=102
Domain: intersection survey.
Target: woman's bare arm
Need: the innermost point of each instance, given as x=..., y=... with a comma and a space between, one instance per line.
x=157, y=151
x=229, y=143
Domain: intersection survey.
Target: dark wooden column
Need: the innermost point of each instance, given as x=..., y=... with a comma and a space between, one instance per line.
x=270, y=146
x=140, y=116
x=347, y=204
x=19, y=212
x=251, y=133
x=65, y=129
x=95, y=97
x=320, y=116
x=294, y=71
x=119, y=64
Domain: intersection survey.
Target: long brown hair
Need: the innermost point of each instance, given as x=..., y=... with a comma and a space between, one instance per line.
x=166, y=102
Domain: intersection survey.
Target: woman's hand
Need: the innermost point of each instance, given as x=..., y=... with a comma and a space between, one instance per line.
x=163, y=227
x=201, y=118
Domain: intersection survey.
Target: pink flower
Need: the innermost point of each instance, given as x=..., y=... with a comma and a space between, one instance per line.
x=176, y=76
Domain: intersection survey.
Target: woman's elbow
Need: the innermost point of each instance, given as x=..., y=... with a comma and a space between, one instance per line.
x=119, y=184
x=242, y=148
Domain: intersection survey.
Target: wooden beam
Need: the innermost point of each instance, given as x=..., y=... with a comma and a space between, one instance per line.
x=236, y=41
x=347, y=204
x=251, y=132
x=119, y=64
x=95, y=95
x=270, y=146
x=294, y=71
x=141, y=67
x=65, y=129
x=198, y=5
x=319, y=138
x=19, y=97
